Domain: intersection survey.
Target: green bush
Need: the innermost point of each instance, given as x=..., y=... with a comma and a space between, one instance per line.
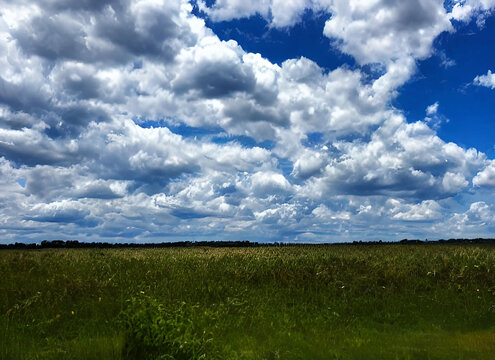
x=157, y=331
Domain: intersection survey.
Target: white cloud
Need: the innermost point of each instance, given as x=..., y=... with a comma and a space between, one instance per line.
x=380, y=31
x=268, y=183
x=400, y=159
x=64, y=211
x=433, y=118
x=480, y=212
x=309, y=163
x=470, y=223
x=432, y=109
x=279, y=215
x=231, y=9
x=426, y=210
x=486, y=177
x=453, y=182
x=323, y=213
x=465, y=10
x=282, y=12
x=487, y=80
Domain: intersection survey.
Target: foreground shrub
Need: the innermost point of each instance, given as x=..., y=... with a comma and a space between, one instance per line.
x=157, y=331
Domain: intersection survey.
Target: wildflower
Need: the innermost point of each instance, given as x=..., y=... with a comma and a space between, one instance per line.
x=58, y=316
x=99, y=299
x=72, y=312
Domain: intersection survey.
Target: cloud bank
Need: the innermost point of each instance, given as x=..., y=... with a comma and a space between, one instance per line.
x=132, y=121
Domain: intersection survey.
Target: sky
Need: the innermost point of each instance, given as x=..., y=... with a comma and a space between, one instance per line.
x=264, y=120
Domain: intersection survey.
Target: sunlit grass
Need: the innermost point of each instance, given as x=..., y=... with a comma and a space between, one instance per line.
x=315, y=302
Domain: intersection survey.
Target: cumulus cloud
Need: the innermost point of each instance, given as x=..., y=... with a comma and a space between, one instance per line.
x=465, y=10
x=426, y=210
x=381, y=32
x=114, y=31
x=323, y=213
x=400, y=159
x=268, y=183
x=64, y=211
x=487, y=80
x=433, y=118
x=281, y=13
x=432, y=109
x=473, y=222
x=486, y=177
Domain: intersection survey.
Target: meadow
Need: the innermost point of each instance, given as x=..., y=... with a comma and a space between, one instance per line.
x=386, y=301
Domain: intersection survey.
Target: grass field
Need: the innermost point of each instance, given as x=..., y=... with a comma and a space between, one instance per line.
x=311, y=302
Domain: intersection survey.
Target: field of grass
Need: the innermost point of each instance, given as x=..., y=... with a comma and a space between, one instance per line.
x=308, y=302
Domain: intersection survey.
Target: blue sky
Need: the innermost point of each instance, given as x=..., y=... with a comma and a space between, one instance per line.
x=470, y=109
x=268, y=120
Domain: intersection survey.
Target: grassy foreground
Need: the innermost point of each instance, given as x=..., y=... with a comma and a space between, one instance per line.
x=314, y=302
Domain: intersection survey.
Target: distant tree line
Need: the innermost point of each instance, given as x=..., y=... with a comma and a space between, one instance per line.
x=73, y=244
x=55, y=244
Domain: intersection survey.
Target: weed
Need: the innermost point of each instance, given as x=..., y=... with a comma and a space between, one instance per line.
x=157, y=331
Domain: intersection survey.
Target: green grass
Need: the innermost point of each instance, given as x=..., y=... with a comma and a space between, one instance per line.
x=312, y=302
